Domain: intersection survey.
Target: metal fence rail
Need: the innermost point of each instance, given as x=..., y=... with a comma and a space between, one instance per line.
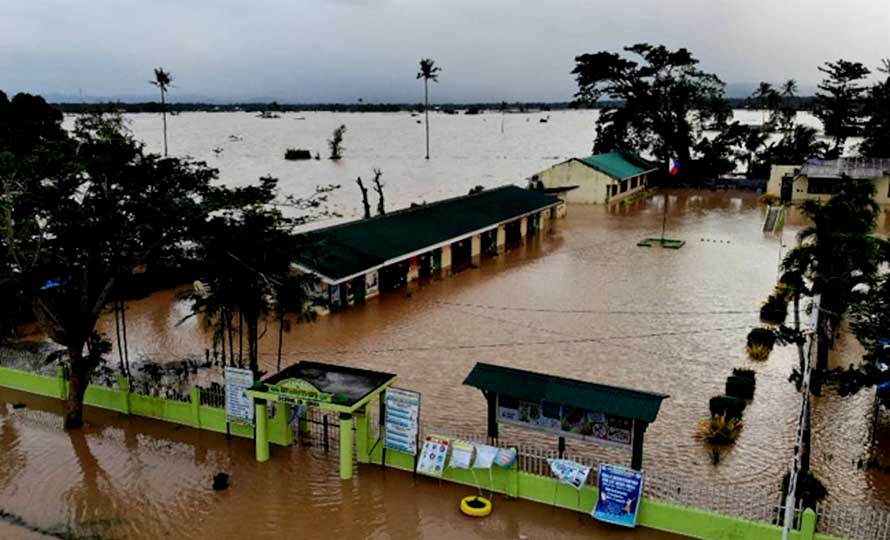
x=853, y=523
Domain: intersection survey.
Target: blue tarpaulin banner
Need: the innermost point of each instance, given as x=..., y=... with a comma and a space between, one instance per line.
x=620, y=492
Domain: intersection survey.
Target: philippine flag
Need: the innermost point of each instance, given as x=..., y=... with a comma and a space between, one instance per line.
x=674, y=167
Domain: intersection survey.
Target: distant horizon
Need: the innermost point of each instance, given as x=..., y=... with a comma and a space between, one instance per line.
x=739, y=90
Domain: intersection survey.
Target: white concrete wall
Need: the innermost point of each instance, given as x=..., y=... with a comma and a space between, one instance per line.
x=591, y=183
x=801, y=185
x=594, y=187
x=776, y=172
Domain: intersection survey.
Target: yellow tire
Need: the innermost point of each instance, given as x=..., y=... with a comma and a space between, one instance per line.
x=474, y=506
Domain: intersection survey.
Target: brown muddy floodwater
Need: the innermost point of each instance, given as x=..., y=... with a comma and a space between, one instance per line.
x=582, y=301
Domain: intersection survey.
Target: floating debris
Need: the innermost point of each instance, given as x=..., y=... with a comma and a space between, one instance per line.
x=220, y=481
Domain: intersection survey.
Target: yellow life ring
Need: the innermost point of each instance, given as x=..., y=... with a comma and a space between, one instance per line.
x=475, y=506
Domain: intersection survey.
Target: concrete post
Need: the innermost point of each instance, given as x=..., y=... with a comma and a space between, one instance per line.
x=345, y=446
x=808, y=525
x=63, y=384
x=262, y=431
x=196, y=406
x=637, y=458
x=362, y=425
x=523, y=227
x=446, y=260
x=123, y=385
x=476, y=246
x=502, y=238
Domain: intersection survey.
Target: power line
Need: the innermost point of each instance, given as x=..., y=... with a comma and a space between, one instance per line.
x=594, y=311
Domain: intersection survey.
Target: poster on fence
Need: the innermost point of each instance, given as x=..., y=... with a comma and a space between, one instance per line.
x=401, y=420
x=433, y=455
x=239, y=406
x=484, y=456
x=569, y=472
x=620, y=491
x=566, y=420
x=461, y=454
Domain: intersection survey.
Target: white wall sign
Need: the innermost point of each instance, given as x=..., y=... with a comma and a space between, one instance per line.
x=239, y=406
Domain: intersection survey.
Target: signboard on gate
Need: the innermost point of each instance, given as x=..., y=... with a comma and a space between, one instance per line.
x=239, y=406
x=620, y=491
x=401, y=420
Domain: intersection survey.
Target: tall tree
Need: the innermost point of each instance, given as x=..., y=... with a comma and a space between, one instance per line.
x=765, y=98
x=293, y=298
x=80, y=212
x=840, y=102
x=666, y=100
x=429, y=71
x=877, y=130
x=164, y=81
x=835, y=254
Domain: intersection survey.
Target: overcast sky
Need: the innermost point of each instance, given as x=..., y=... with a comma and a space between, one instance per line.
x=343, y=50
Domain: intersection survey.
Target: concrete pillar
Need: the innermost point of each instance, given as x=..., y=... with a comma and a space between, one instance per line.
x=345, y=446
x=362, y=425
x=639, y=429
x=808, y=525
x=476, y=245
x=123, y=384
x=262, y=431
x=523, y=227
x=446, y=259
x=196, y=406
x=502, y=238
x=63, y=383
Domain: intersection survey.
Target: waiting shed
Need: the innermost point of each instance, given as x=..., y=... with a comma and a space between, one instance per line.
x=345, y=390
x=570, y=408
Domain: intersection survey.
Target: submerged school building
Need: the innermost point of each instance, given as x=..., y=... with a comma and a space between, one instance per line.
x=600, y=178
x=359, y=259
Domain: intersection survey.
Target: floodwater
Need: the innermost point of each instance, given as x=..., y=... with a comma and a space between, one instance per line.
x=581, y=301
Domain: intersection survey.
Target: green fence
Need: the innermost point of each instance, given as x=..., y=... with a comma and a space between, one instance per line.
x=655, y=514
x=122, y=399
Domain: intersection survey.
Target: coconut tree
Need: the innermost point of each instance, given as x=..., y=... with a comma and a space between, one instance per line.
x=293, y=297
x=163, y=80
x=429, y=71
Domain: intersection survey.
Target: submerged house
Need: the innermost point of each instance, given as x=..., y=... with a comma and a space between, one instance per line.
x=818, y=179
x=359, y=259
x=600, y=178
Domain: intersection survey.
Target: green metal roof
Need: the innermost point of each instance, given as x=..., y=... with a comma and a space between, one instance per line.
x=532, y=386
x=351, y=248
x=619, y=164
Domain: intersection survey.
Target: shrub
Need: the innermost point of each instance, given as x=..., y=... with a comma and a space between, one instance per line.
x=810, y=489
x=783, y=292
x=762, y=336
x=728, y=406
x=769, y=199
x=740, y=387
x=758, y=352
x=774, y=310
x=744, y=372
x=720, y=429
x=297, y=153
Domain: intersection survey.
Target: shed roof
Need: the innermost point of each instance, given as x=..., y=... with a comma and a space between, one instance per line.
x=619, y=164
x=349, y=249
x=532, y=386
x=352, y=383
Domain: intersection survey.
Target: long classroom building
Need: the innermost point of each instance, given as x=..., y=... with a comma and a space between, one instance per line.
x=359, y=259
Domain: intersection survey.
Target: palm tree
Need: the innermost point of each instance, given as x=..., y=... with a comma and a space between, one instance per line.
x=428, y=72
x=163, y=80
x=293, y=295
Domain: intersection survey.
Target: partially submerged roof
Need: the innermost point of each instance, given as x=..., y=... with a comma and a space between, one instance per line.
x=347, y=250
x=351, y=384
x=532, y=386
x=619, y=164
x=862, y=168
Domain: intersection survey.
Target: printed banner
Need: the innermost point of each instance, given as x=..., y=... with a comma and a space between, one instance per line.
x=401, y=420
x=433, y=456
x=461, y=454
x=484, y=456
x=565, y=420
x=620, y=491
x=569, y=472
x=239, y=406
